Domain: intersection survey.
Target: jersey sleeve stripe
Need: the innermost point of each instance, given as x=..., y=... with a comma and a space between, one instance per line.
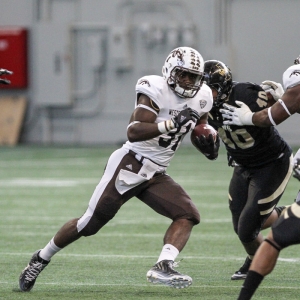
x=147, y=107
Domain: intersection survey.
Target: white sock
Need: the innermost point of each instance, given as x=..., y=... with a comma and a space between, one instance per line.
x=49, y=250
x=168, y=252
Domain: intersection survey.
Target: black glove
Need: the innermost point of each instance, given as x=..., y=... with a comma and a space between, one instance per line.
x=208, y=147
x=296, y=169
x=2, y=72
x=230, y=161
x=185, y=116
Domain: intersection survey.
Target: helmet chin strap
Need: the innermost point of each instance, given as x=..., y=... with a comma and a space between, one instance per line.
x=183, y=93
x=220, y=100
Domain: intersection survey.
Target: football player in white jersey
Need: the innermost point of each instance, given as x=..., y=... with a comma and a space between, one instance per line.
x=285, y=231
x=166, y=109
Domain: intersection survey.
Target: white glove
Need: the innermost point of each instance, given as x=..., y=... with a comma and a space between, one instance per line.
x=274, y=88
x=237, y=116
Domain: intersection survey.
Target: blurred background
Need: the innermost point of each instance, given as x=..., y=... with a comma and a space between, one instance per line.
x=76, y=62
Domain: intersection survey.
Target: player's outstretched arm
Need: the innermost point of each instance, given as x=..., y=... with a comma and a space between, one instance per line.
x=296, y=165
x=5, y=72
x=244, y=116
x=279, y=112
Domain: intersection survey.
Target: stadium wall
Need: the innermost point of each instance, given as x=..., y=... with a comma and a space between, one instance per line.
x=85, y=56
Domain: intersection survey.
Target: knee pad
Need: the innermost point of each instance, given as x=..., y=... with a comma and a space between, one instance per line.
x=247, y=237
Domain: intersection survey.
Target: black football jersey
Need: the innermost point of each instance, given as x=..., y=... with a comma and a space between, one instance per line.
x=249, y=146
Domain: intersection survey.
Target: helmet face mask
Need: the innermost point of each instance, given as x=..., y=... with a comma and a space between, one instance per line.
x=218, y=76
x=183, y=71
x=183, y=88
x=297, y=60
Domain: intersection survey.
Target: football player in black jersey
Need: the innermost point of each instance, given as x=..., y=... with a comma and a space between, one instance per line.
x=285, y=231
x=262, y=160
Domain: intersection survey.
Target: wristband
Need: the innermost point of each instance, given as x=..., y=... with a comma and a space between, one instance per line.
x=270, y=117
x=165, y=126
x=248, y=118
x=284, y=106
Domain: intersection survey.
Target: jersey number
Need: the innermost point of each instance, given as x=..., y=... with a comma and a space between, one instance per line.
x=241, y=137
x=173, y=137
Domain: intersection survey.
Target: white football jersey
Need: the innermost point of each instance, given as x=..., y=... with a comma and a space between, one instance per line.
x=161, y=149
x=291, y=77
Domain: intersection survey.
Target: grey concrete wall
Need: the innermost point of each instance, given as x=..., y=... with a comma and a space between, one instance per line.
x=85, y=56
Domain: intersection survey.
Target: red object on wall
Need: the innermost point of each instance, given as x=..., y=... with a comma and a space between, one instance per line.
x=13, y=55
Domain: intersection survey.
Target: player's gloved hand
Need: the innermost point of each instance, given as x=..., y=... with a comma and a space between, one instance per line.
x=237, y=115
x=208, y=147
x=296, y=167
x=296, y=170
x=274, y=88
x=231, y=162
x=298, y=198
x=4, y=72
x=186, y=116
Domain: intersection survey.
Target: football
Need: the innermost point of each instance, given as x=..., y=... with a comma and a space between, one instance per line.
x=203, y=129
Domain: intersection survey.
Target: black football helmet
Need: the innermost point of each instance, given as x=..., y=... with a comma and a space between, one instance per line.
x=218, y=76
x=297, y=60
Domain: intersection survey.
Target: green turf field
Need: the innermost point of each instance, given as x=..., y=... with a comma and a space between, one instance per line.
x=42, y=188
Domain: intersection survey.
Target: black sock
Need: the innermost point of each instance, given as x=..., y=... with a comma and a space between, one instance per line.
x=250, y=285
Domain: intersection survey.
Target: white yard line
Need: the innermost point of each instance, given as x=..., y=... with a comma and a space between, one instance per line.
x=232, y=285
x=115, y=222
x=46, y=182
x=32, y=182
x=105, y=256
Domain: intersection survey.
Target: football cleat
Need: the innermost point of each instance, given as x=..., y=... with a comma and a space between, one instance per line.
x=163, y=273
x=31, y=272
x=242, y=272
